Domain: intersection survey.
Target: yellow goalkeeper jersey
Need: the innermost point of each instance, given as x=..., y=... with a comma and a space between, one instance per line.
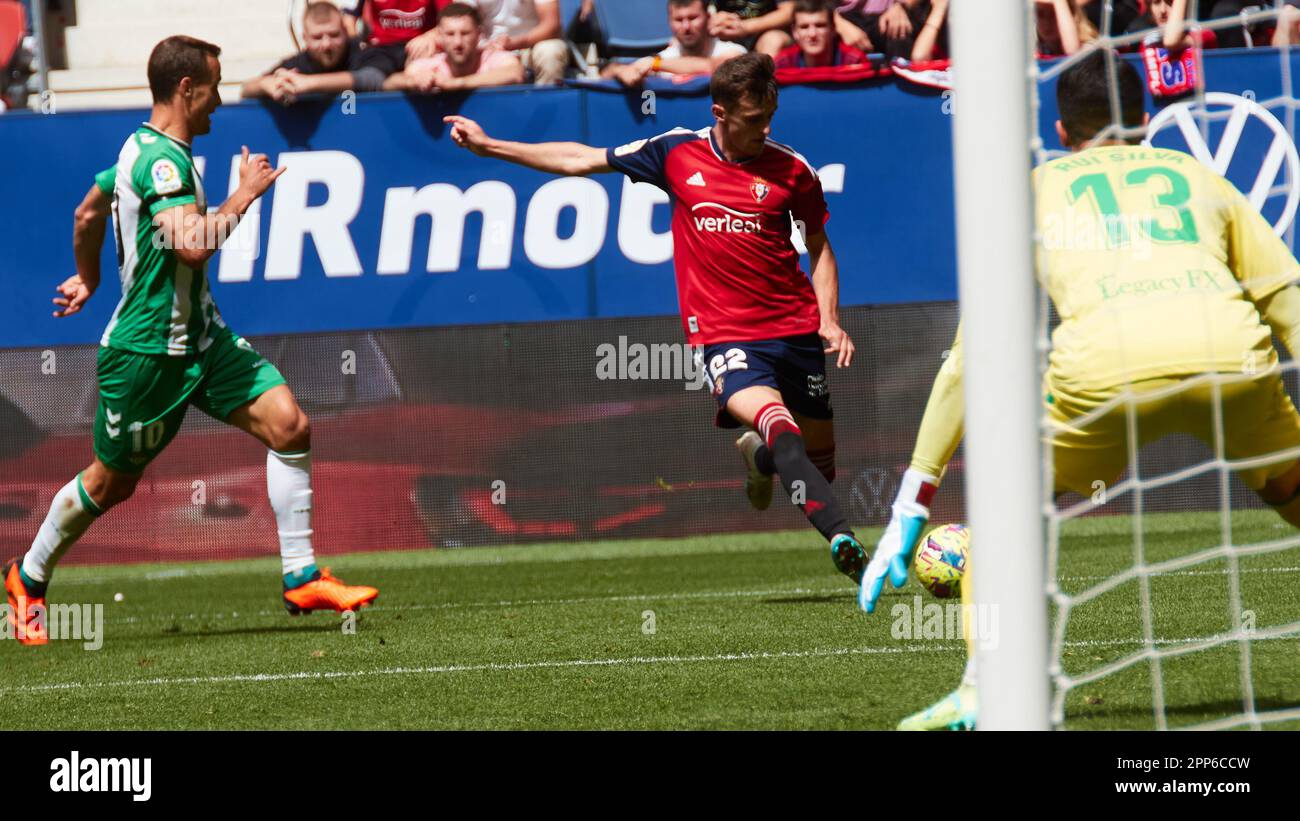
x=1154, y=263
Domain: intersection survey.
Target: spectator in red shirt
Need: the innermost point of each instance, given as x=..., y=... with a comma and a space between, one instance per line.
x=400, y=30
x=816, y=43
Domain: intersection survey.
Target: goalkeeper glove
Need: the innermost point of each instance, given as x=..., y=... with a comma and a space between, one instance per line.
x=893, y=556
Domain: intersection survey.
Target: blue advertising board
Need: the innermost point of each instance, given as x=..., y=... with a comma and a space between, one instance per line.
x=382, y=222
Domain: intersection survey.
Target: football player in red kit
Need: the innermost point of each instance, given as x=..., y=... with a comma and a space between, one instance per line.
x=761, y=330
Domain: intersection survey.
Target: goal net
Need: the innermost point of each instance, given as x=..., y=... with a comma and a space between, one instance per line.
x=1171, y=592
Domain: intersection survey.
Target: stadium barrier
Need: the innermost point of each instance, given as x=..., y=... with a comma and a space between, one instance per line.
x=447, y=320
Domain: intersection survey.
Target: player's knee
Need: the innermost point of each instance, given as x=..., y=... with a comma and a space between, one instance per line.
x=290, y=431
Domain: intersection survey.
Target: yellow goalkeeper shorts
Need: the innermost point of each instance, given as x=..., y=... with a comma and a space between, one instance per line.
x=1090, y=441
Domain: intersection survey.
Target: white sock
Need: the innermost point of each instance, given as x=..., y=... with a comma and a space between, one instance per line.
x=71, y=512
x=968, y=678
x=288, y=485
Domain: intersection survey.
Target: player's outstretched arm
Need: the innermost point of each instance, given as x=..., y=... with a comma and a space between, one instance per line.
x=570, y=159
x=937, y=440
x=195, y=237
x=89, y=225
x=826, y=284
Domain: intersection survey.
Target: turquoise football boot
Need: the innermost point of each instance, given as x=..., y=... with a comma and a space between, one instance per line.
x=955, y=711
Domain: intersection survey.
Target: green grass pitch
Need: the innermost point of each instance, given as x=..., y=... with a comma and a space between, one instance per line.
x=719, y=632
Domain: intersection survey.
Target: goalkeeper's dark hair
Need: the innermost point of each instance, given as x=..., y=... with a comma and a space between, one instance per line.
x=1083, y=97
x=176, y=58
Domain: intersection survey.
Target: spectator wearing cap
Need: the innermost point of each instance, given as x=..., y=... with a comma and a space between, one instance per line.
x=692, y=51
x=463, y=61
x=329, y=63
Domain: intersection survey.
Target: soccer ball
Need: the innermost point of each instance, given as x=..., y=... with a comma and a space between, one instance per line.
x=941, y=560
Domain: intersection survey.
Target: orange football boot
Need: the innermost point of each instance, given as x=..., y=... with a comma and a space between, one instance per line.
x=327, y=593
x=22, y=619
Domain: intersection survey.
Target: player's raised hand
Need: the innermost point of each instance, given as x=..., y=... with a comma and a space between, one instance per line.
x=256, y=174
x=467, y=134
x=837, y=342
x=73, y=293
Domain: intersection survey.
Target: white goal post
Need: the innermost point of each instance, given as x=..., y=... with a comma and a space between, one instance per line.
x=994, y=136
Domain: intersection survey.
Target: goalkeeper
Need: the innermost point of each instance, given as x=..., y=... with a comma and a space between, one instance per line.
x=1172, y=303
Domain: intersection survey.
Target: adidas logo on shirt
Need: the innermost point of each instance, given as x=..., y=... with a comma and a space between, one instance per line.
x=697, y=179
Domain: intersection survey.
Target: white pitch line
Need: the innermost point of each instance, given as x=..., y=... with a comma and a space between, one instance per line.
x=1223, y=572
x=1159, y=642
x=707, y=594
x=503, y=667
x=217, y=571
x=458, y=557
x=258, y=678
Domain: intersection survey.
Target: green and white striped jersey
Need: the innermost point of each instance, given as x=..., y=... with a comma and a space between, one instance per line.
x=166, y=307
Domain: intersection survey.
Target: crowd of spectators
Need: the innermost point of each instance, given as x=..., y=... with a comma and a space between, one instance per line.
x=432, y=46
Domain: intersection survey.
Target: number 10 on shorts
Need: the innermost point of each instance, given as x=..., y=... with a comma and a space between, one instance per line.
x=145, y=437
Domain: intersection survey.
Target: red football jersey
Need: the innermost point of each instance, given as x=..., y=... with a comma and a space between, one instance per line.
x=738, y=276
x=845, y=55
x=396, y=21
